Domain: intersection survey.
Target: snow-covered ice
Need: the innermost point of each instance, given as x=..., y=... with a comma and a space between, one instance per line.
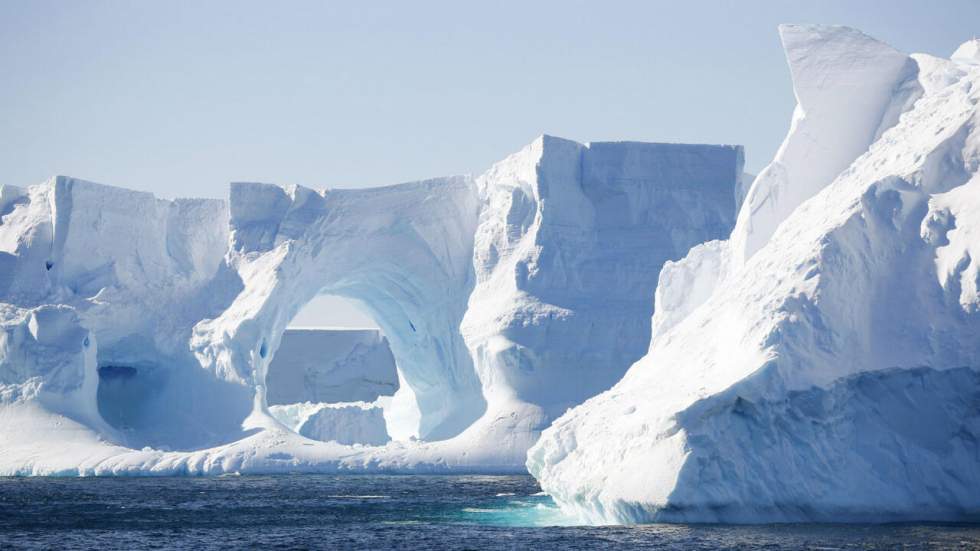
x=822, y=364
x=331, y=365
x=140, y=335
x=341, y=422
x=812, y=356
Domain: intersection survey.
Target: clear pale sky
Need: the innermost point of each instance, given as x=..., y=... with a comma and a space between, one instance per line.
x=180, y=98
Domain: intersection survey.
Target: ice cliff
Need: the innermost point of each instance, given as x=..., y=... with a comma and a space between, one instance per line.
x=140, y=335
x=822, y=363
x=331, y=365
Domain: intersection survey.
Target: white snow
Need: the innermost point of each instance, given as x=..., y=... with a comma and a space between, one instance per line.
x=845, y=85
x=968, y=52
x=823, y=364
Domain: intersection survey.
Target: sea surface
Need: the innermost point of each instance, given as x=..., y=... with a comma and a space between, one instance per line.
x=377, y=512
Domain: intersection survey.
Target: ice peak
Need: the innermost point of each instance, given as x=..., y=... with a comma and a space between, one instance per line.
x=822, y=58
x=844, y=82
x=968, y=52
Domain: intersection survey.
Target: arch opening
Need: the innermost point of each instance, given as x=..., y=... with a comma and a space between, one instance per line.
x=403, y=253
x=334, y=377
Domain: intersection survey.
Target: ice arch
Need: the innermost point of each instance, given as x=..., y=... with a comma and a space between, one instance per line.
x=403, y=251
x=506, y=299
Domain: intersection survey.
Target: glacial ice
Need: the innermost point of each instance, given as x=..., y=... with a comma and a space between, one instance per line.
x=333, y=384
x=140, y=335
x=822, y=364
x=342, y=422
x=331, y=365
x=812, y=353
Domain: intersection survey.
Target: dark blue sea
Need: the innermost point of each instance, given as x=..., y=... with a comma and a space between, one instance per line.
x=377, y=512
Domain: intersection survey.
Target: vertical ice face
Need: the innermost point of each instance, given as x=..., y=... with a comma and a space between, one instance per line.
x=547, y=304
x=968, y=52
x=345, y=423
x=564, y=254
x=331, y=365
x=505, y=299
x=49, y=344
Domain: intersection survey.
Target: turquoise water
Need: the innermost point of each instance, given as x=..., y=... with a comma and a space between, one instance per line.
x=377, y=512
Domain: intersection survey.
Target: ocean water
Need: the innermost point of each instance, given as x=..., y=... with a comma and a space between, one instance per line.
x=377, y=512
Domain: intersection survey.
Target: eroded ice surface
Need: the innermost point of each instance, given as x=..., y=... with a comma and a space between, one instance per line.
x=138, y=335
x=822, y=364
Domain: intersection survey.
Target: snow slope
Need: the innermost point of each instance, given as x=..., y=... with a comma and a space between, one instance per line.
x=822, y=365
x=505, y=299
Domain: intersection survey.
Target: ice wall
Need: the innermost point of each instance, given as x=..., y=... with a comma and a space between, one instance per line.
x=563, y=256
x=505, y=298
x=331, y=365
x=402, y=251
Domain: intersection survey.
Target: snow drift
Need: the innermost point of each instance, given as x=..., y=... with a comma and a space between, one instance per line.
x=822, y=364
x=139, y=335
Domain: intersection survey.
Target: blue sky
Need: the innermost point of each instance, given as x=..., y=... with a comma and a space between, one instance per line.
x=180, y=98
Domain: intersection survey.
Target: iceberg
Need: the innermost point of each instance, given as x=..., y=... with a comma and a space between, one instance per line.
x=822, y=363
x=333, y=384
x=143, y=336
x=341, y=422
x=331, y=365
